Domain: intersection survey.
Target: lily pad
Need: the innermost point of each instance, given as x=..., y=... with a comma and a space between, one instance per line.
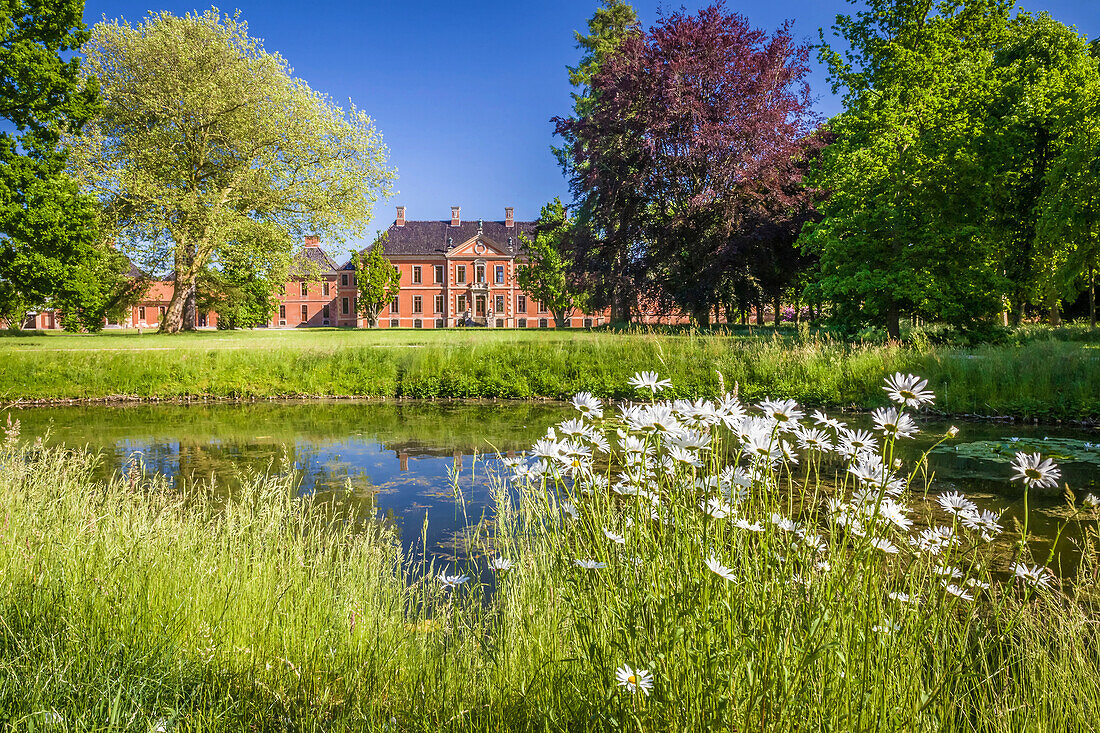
x=1004, y=450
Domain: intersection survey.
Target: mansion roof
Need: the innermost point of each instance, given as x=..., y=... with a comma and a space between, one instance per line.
x=436, y=238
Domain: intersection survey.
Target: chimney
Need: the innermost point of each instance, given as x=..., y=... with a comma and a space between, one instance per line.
x=455, y=219
x=509, y=218
x=313, y=240
x=400, y=216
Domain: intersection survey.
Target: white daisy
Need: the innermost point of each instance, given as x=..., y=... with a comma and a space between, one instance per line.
x=618, y=539
x=500, y=564
x=720, y=570
x=908, y=390
x=901, y=597
x=955, y=503
x=1036, y=574
x=1034, y=471
x=1091, y=500
x=716, y=508
x=650, y=381
x=884, y=545
x=892, y=422
x=782, y=411
x=449, y=582
x=634, y=680
x=787, y=525
x=751, y=527
x=957, y=591
x=589, y=564
x=587, y=405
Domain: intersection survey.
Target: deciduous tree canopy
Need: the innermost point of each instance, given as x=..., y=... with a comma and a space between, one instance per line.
x=207, y=141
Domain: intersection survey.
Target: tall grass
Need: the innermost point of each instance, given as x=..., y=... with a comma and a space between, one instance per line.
x=1049, y=379
x=126, y=606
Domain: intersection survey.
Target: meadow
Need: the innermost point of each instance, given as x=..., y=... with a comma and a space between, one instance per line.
x=1039, y=373
x=662, y=568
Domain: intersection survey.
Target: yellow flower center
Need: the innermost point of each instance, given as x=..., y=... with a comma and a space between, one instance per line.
x=906, y=394
x=1032, y=473
x=632, y=680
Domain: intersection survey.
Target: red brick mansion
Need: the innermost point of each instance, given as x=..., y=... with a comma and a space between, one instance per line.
x=453, y=273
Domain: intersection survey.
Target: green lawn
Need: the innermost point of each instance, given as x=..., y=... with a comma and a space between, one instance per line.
x=1049, y=379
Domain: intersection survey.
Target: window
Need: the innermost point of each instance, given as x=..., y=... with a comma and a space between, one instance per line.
x=439, y=273
x=343, y=306
x=324, y=289
x=324, y=312
x=141, y=313
x=542, y=307
x=305, y=313
x=418, y=304
x=394, y=323
x=480, y=271
x=521, y=303
x=305, y=289
x=460, y=273
x=542, y=323
x=439, y=323
x=498, y=304
x=417, y=323
x=395, y=306
x=500, y=273
x=523, y=323
x=462, y=304
x=439, y=304
x=500, y=323
x=282, y=314
x=588, y=323
x=344, y=279
x=418, y=276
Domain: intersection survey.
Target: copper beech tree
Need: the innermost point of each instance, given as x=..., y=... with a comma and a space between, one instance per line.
x=688, y=154
x=206, y=141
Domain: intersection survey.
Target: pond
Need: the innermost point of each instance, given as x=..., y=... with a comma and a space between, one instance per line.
x=399, y=457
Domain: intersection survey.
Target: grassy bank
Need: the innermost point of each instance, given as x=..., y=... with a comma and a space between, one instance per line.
x=1050, y=379
x=127, y=607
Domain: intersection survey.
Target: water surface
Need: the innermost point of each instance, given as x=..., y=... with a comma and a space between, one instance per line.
x=399, y=457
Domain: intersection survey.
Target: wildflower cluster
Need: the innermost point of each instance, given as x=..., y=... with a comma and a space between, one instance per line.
x=733, y=494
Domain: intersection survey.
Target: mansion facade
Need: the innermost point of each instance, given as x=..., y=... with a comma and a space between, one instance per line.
x=453, y=273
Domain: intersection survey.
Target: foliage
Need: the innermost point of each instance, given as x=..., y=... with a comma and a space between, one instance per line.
x=242, y=288
x=688, y=151
x=546, y=276
x=902, y=229
x=206, y=139
x=1062, y=450
x=592, y=251
x=51, y=252
x=377, y=280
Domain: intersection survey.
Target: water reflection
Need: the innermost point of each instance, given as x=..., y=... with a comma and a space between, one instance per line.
x=398, y=457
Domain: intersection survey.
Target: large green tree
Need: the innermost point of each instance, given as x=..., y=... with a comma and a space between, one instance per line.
x=377, y=281
x=51, y=251
x=600, y=250
x=545, y=275
x=1041, y=144
x=207, y=141
x=903, y=229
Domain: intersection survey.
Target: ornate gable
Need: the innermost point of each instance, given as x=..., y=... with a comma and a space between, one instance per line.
x=478, y=246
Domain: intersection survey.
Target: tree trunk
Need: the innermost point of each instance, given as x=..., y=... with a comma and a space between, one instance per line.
x=798, y=310
x=775, y=316
x=744, y=315
x=1054, y=316
x=701, y=316
x=1018, y=312
x=1092, y=298
x=561, y=318
x=176, y=315
x=893, y=322
x=759, y=313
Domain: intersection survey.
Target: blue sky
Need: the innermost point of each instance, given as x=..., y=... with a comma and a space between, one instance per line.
x=463, y=93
